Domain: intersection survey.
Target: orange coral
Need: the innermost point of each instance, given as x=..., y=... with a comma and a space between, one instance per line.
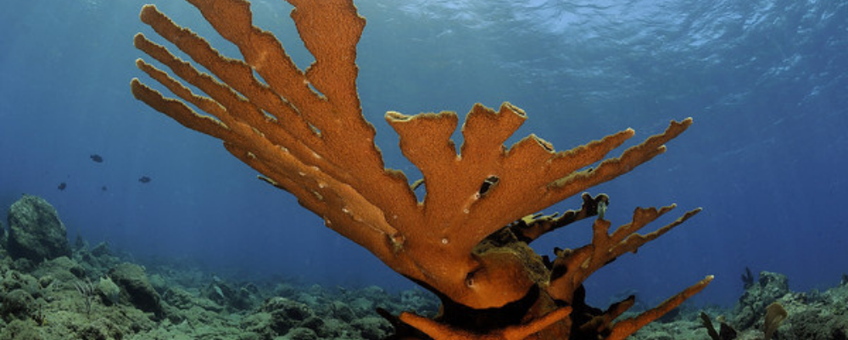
x=467, y=240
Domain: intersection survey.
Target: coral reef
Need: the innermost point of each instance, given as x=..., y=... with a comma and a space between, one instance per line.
x=42, y=301
x=74, y=298
x=467, y=239
x=757, y=297
x=769, y=310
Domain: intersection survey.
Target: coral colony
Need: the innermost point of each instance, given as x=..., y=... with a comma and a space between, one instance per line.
x=467, y=239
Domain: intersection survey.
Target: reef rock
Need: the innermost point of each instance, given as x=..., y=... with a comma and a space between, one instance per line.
x=35, y=231
x=372, y=328
x=16, y=304
x=62, y=269
x=752, y=305
x=136, y=289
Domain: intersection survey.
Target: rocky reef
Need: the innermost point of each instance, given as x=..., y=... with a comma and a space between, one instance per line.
x=94, y=293
x=35, y=231
x=813, y=315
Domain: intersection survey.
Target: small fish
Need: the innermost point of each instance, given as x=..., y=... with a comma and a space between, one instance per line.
x=62, y=186
x=103, y=188
x=144, y=179
x=97, y=158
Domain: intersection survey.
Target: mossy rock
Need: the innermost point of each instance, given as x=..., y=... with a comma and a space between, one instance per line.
x=136, y=289
x=35, y=231
x=14, y=279
x=21, y=330
x=372, y=328
x=17, y=304
x=301, y=333
x=100, y=329
x=61, y=268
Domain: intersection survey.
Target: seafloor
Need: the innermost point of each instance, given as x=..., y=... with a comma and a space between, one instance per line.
x=93, y=293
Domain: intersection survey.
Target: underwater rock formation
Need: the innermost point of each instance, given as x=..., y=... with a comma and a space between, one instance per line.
x=136, y=289
x=35, y=231
x=42, y=301
x=753, y=303
x=810, y=325
x=467, y=239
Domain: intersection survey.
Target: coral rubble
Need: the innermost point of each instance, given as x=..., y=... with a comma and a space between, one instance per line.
x=467, y=239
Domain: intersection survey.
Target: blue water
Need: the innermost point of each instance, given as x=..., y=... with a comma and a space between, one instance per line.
x=766, y=82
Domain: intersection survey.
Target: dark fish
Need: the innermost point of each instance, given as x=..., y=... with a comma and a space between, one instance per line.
x=97, y=158
x=103, y=188
x=62, y=186
x=144, y=179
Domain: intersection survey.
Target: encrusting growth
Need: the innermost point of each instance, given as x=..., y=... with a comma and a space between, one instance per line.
x=467, y=239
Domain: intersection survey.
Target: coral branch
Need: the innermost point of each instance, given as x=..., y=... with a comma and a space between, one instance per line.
x=534, y=226
x=467, y=239
x=572, y=267
x=625, y=328
x=517, y=332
